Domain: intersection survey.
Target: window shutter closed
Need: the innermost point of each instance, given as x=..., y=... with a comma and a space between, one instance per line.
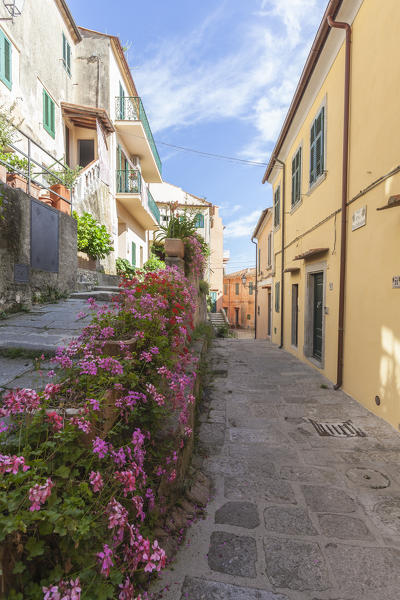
x=317, y=147
x=5, y=60
x=133, y=254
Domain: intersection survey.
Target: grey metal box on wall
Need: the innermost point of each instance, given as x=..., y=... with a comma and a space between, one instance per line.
x=45, y=224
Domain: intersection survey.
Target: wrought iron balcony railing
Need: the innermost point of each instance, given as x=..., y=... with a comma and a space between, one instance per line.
x=155, y=211
x=130, y=108
x=129, y=181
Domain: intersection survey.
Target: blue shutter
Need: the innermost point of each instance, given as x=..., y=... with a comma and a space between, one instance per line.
x=5, y=60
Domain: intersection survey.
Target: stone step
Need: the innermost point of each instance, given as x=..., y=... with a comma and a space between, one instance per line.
x=100, y=295
x=107, y=288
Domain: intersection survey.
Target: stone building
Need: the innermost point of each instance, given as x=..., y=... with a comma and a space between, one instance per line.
x=210, y=227
x=239, y=298
x=72, y=93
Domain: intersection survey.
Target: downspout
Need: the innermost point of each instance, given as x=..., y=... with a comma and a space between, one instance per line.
x=345, y=170
x=256, y=292
x=282, y=246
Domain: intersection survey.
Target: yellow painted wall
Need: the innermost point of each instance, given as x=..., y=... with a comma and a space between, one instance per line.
x=264, y=276
x=372, y=316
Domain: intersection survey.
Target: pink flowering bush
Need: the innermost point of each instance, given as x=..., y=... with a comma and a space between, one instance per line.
x=79, y=492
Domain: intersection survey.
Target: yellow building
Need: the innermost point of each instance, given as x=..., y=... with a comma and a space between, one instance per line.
x=334, y=167
x=263, y=235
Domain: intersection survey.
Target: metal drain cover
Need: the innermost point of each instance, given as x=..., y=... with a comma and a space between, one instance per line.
x=346, y=429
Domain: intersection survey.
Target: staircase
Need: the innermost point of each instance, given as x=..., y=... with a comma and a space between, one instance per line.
x=101, y=293
x=217, y=320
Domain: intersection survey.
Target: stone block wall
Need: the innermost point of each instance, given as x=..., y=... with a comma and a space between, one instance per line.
x=15, y=253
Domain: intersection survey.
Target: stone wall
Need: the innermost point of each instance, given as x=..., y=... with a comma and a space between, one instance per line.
x=15, y=253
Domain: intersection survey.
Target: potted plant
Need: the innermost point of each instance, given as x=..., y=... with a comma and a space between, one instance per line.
x=7, y=136
x=17, y=170
x=61, y=182
x=93, y=240
x=179, y=228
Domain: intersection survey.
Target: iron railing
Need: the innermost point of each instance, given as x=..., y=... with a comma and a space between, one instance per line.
x=130, y=108
x=155, y=211
x=26, y=148
x=129, y=181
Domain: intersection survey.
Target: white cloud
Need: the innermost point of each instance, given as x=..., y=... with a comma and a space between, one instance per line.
x=184, y=84
x=243, y=226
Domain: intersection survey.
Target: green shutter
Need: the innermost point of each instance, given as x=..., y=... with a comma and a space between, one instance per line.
x=49, y=114
x=66, y=55
x=199, y=221
x=277, y=294
x=121, y=102
x=5, y=60
x=296, y=178
x=133, y=254
x=237, y=289
x=317, y=158
x=277, y=206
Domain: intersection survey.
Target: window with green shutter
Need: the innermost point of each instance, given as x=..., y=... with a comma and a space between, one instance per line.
x=66, y=55
x=49, y=116
x=296, y=178
x=133, y=254
x=121, y=115
x=277, y=207
x=237, y=289
x=199, y=221
x=317, y=158
x=251, y=288
x=5, y=60
x=277, y=295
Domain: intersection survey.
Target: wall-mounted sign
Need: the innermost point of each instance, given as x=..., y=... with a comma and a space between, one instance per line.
x=396, y=281
x=359, y=218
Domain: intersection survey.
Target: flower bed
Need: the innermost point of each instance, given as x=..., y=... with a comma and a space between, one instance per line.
x=80, y=489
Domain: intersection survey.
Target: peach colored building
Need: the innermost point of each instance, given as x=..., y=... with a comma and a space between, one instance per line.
x=263, y=235
x=239, y=297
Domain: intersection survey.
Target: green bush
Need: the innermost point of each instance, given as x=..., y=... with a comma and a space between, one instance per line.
x=64, y=176
x=20, y=164
x=179, y=226
x=93, y=238
x=204, y=287
x=124, y=268
x=154, y=263
x=223, y=331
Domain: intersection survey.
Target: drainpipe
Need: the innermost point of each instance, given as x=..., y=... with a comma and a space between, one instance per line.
x=345, y=170
x=256, y=292
x=282, y=246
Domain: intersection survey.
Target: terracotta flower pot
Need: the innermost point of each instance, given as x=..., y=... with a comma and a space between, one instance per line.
x=44, y=196
x=15, y=180
x=174, y=247
x=59, y=203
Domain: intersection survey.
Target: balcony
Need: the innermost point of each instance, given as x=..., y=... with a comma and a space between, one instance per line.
x=134, y=196
x=133, y=126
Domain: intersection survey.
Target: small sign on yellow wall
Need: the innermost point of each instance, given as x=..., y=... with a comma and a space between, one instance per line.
x=396, y=281
x=359, y=218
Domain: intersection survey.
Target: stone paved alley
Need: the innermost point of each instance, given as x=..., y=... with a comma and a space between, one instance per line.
x=293, y=515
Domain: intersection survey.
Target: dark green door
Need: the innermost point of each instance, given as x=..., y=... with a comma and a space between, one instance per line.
x=318, y=289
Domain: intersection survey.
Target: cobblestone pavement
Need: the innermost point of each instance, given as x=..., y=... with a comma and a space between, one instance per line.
x=43, y=329
x=293, y=516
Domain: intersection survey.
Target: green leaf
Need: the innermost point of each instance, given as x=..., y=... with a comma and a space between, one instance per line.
x=19, y=567
x=63, y=472
x=35, y=548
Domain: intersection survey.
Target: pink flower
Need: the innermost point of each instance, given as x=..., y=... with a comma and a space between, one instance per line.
x=146, y=356
x=51, y=593
x=12, y=464
x=82, y=424
x=127, y=590
x=100, y=447
x=172, y=476
x=96, y=481
x=20, y=401
x=55, y=420
x=3, y=427
x=105, y=559
x=51, y=390
x=117, y=514
x=38, y=494
x=94, y=403
x=128, y=479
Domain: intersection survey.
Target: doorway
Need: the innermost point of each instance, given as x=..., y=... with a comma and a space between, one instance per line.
x=317, y=314
x=85, y=152
x=295, y=311
x=236, y=317
x=213, y=296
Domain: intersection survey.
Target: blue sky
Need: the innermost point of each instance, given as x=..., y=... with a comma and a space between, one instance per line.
x=217, y=76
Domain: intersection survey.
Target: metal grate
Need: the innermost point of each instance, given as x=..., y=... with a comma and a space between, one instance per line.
x=346, y=429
